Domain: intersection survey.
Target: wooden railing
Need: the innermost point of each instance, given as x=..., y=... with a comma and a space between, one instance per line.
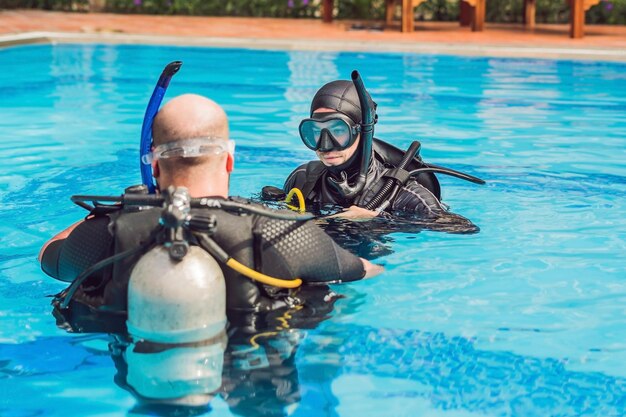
x=473, y=13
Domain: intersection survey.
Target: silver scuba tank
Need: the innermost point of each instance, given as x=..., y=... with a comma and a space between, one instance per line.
x=176, y=301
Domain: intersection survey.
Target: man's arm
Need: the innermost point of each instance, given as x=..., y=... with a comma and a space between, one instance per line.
x=76, y=248
x=301, y=249
x=59, y=236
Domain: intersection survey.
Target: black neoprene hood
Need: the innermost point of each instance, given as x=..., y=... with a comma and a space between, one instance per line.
x=339, y=95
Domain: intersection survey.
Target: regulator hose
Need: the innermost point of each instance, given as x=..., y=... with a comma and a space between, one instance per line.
x=66, y=296
x=214, y=249
x=384, y=196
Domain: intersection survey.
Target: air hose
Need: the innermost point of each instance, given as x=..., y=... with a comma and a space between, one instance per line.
x=214, y=249
x=66, y=295
x=387, y=193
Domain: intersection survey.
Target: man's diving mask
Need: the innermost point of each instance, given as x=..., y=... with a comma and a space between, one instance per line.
x=190, y=148
x=329, y=131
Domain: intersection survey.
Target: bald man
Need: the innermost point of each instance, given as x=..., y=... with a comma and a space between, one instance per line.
x=191, y=149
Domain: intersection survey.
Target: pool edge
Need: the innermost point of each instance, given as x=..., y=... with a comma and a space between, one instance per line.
x=481, y=50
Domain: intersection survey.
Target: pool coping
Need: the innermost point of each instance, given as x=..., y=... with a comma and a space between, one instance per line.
x=435, y=48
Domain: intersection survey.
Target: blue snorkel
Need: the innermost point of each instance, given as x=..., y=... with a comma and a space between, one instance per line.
x=146, y=129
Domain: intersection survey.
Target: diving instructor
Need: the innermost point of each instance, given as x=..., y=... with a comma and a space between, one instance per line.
x=191, y=149
x=353, y=167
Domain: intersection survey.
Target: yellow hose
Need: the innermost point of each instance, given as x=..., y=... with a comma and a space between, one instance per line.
x=301, y=206
x=262, y=278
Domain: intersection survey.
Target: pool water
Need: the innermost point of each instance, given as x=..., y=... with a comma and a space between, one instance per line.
x=525, y=318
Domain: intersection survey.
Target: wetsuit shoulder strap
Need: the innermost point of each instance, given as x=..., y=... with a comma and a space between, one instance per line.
x=305, y=178
x=314, y=171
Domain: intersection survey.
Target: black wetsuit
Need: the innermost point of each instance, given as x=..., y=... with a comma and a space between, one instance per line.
x=280, y=248
x=312, y=179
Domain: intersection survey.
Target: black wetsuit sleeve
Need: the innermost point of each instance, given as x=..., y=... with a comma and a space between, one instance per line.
x=89, y=242
x=50, y=258
x=301, y=249
x=415, y=198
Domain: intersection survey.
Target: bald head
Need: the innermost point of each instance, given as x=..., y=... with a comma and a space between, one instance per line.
x=189, y=116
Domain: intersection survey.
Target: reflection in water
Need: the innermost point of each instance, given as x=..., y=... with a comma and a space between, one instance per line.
x=183, y=376
x=251, y=366
x=255, y=375
x=281, y=368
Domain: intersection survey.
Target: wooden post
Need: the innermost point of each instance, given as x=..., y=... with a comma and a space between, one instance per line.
x=407, y=16
x=327, y=11
x=577, y=19
x=529, y=13
x=97, y=5
x=478, y=21
x=465, y=15
x=390, y=11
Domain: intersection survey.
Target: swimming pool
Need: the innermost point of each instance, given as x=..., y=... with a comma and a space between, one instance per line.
x=525, y=318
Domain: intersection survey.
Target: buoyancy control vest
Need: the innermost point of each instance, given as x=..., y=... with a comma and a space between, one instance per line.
x=311, y=178
x=239, y=239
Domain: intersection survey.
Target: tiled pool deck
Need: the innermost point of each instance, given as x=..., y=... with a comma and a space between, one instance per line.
x=551, y=41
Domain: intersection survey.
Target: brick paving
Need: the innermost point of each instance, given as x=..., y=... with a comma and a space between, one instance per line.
x=185, y=28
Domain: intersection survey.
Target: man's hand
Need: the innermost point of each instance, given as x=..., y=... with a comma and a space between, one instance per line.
x=371, y=270
x=355, y=213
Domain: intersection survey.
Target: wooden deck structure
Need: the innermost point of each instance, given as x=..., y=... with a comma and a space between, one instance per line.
x=473, y=14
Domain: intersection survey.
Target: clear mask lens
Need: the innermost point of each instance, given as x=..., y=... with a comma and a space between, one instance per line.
x=190, y=148
x=341, y=132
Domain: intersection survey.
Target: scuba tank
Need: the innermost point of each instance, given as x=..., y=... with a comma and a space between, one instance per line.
x=176, y=292
x=176, y=301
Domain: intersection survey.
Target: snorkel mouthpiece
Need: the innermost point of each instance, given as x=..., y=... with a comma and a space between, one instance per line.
x=368, y=118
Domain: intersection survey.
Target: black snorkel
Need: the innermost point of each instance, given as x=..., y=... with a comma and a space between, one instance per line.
x=368, y=119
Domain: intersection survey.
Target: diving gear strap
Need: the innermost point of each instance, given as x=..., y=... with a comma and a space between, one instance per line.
x=151, y=200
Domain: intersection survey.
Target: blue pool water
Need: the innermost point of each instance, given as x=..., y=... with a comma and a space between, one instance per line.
x=525, y=318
